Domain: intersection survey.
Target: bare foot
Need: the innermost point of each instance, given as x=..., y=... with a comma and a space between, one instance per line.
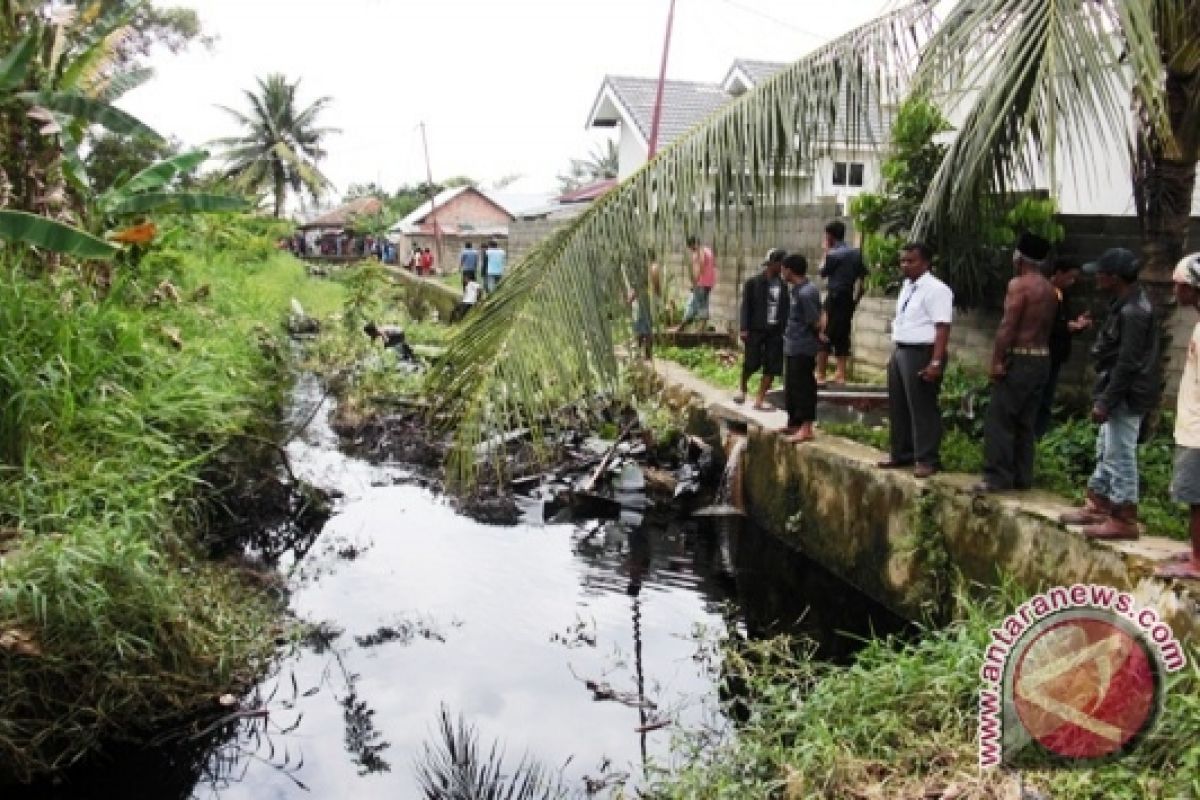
x=763, y=407
x=801, y=438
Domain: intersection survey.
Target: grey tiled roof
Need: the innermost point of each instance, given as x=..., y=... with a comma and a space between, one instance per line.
x=684, y=104
x=758, y=71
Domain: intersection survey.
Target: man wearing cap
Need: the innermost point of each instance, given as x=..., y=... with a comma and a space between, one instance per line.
x=1126, y=356
x=1019, y=371
x=1186, y=486
x=763, y=317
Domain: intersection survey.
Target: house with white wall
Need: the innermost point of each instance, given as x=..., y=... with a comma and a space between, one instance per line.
x=627, y=104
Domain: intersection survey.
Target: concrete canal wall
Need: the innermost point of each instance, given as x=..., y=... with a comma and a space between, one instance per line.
x=903, y=542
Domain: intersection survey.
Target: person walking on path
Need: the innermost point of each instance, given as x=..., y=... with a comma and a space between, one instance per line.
x=1062, y=278
x=921, y=333
x=846, y=275
x=495, y=261
x=764, y=316
x=643, y=307
x=801, y=342
x=704, y=278
x=1185, y=488
x=1019, y=371
x=468, y=264
x=1125, y=354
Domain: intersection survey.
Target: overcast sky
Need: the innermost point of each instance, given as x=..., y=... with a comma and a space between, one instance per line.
x=504, y=86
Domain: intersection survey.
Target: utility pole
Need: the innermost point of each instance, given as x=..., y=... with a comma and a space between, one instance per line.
x=662, y=80
x=437, y=229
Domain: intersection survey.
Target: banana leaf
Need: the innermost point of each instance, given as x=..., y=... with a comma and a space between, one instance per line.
x=15, y=64
x=155, y=176
x=185, y=202
x=20, y=226
x=93, y=111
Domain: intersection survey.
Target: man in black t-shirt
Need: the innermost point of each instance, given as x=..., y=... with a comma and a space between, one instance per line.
x=764, y=315
x=845, y=276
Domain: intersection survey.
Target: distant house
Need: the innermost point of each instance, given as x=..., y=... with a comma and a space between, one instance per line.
x=628, y=104
x=338, y=224
x=459, y=215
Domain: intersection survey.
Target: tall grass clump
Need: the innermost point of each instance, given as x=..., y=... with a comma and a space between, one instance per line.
x=113, y=405
x=901, y=721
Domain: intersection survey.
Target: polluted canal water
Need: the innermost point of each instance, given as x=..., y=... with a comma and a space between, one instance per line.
x=583, y=645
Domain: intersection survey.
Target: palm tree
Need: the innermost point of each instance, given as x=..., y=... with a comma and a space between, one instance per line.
x=1049, y=77
x=280, y=145
x=600, y=164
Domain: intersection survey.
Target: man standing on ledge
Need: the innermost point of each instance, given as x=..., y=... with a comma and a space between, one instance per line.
x=1127, y=387
x=1020, y=369
x=763, y=318
x=846, y=275
x=1186, y=486
x=921, y=332
x=801, y=341
x=704, y=278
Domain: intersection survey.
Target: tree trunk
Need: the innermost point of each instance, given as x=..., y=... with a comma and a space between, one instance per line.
x=1164, y=183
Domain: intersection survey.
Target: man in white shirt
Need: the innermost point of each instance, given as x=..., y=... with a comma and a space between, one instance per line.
x=1185, y=488
x=921, y=333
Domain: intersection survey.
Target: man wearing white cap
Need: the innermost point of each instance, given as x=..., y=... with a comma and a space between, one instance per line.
x=1186, y=486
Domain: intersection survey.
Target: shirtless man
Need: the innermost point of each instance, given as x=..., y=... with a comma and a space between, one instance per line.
x=1020, y=369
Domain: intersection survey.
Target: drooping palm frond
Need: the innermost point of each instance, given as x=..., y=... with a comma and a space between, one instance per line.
x=455, y=768
x=544, y=340
x=1044, y=84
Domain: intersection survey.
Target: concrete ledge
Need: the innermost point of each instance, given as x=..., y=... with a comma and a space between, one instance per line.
x=426, y=291
x=900, y=540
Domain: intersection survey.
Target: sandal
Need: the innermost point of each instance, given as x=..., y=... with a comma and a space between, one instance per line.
x=739, y=398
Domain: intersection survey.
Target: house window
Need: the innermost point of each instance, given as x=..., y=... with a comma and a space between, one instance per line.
x=847, y=173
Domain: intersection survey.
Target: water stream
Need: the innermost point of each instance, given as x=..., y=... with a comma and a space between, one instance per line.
x=518, y=629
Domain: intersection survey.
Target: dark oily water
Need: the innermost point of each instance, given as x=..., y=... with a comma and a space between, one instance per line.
x=574, y=644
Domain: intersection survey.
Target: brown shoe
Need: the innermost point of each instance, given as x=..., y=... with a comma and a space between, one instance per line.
x=890, y=464
x=1121, y=525
x=1096, y=509
x=924, y=470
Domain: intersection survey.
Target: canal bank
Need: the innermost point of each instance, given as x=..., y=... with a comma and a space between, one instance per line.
x=904, y=541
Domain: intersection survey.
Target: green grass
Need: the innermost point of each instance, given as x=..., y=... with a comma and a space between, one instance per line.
x=721, y=368
x=900, y=719
x=113, y=406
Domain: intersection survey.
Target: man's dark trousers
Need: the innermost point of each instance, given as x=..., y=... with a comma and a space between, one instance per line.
x=1009, y=437
x=916, y=420
x=800, y=390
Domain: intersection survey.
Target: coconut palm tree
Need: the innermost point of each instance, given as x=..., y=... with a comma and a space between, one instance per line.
x=1045, y=81
x=281, y=144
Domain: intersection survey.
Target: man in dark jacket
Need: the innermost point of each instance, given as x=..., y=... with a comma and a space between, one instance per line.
x=1128, y=382
x=845, y=276
x=765, y=303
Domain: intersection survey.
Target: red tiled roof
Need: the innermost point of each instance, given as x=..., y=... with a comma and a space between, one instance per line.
x=593, y=191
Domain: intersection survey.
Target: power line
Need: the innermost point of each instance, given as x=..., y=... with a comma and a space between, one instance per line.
x=776, y=20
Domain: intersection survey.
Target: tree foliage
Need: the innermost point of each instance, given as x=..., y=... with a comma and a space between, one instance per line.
x=281, y=142
x=601, y=164
x=1045, y=80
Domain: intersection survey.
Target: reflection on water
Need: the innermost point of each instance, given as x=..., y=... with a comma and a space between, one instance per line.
x=576, y=644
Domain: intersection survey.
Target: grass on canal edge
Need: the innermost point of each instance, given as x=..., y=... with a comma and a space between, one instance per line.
x=901, y=721
x=110, y=619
